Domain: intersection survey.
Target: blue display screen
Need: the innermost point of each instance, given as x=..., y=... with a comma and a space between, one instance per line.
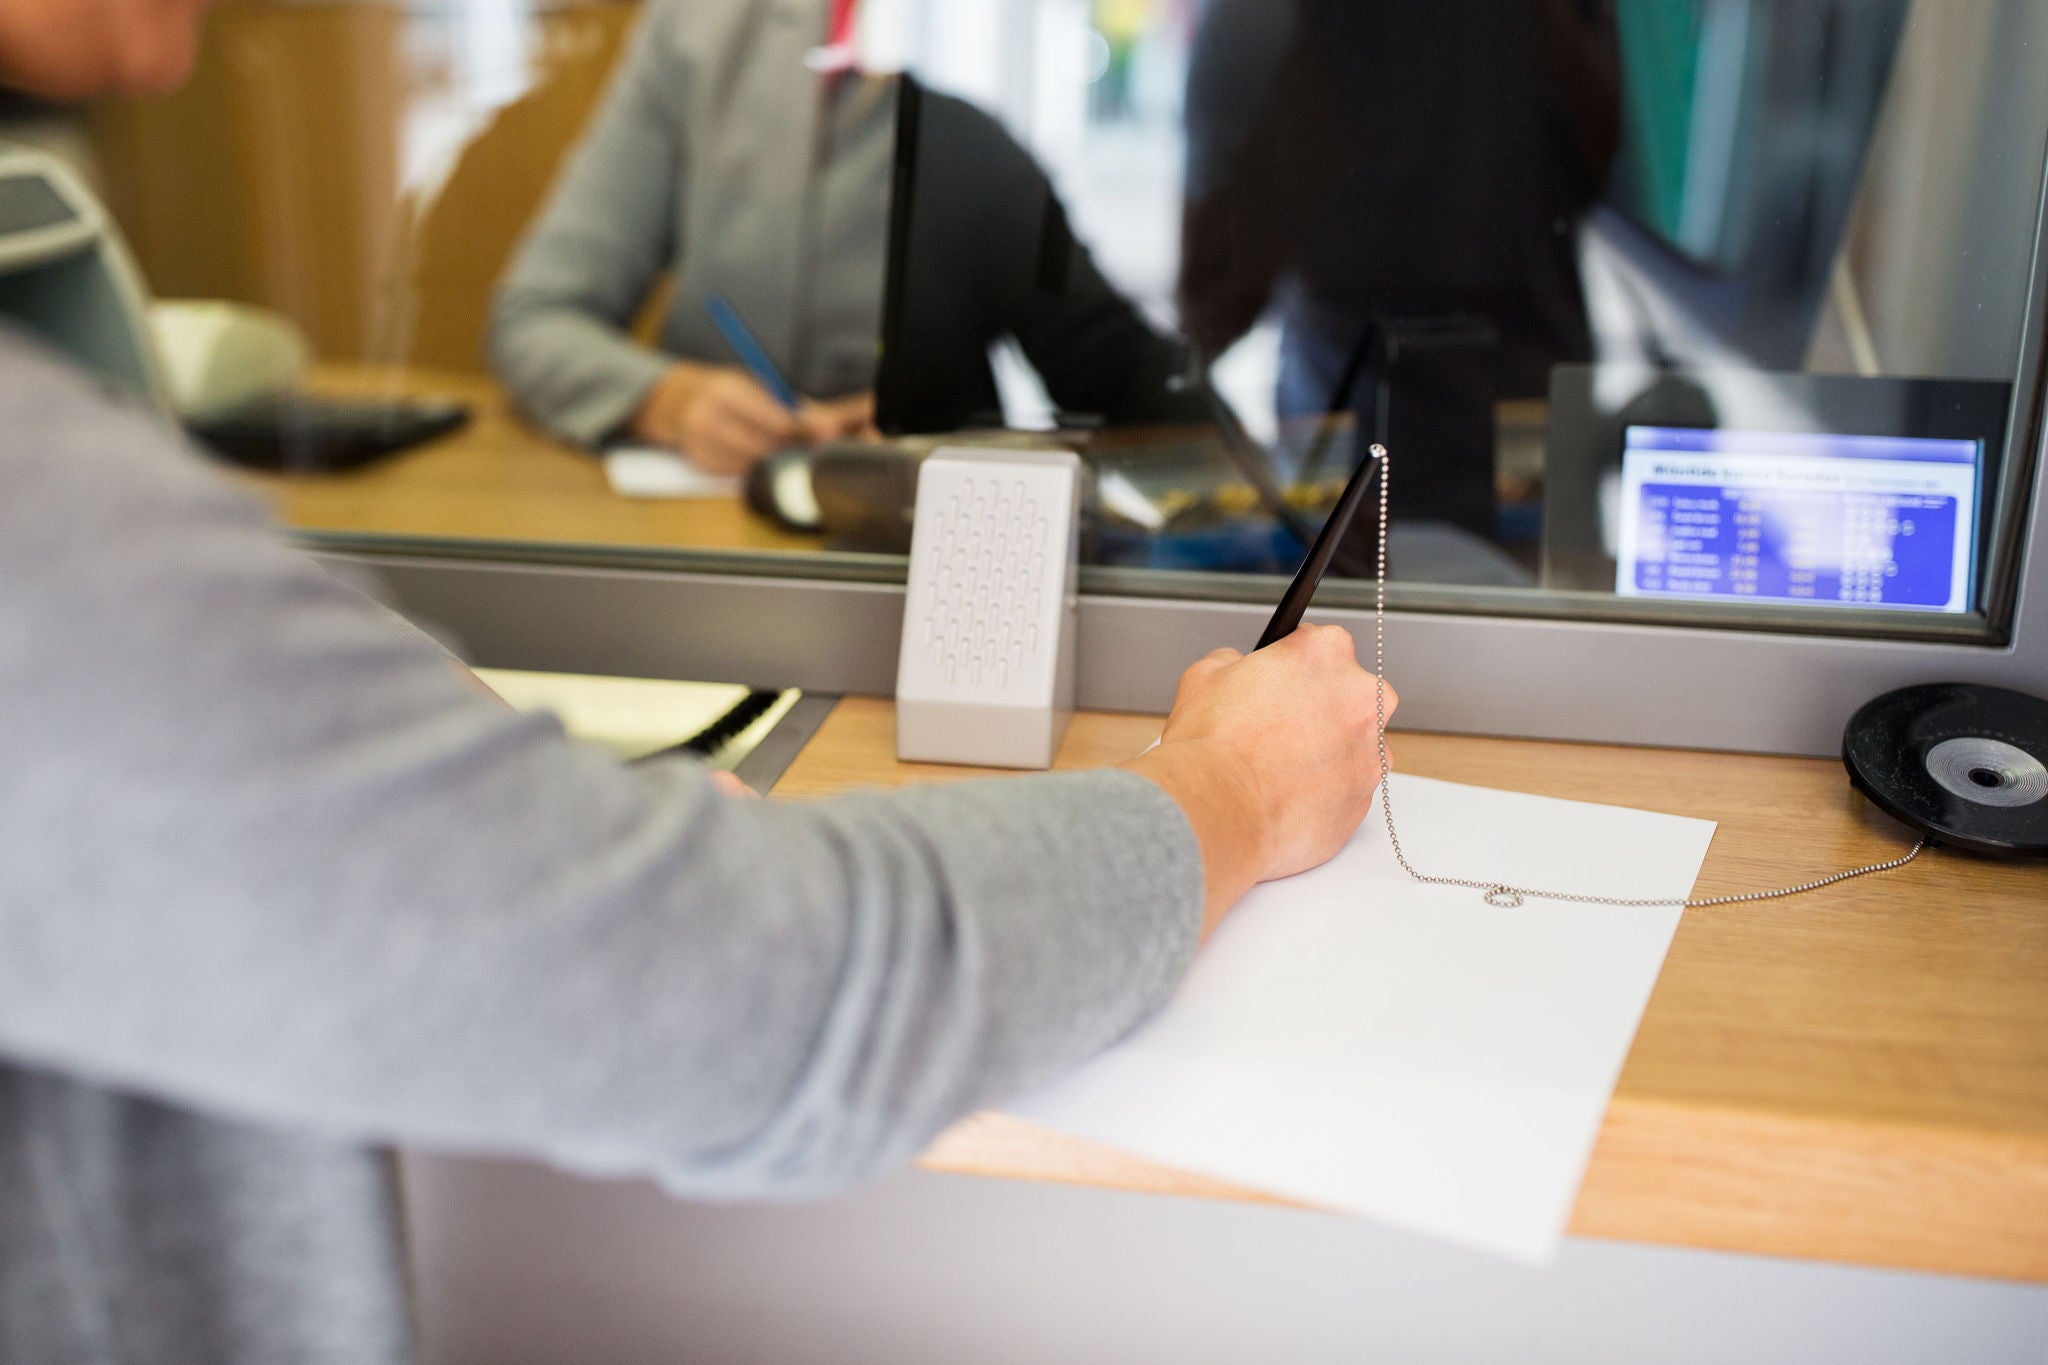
x=1859, y=521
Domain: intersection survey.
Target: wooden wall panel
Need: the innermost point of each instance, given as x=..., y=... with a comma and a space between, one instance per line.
x=469, y=226
x=274, y=176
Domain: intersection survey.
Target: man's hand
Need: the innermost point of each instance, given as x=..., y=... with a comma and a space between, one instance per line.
x=1274, y=756
x=716, y=415
x=724, y=422
x=842, y=419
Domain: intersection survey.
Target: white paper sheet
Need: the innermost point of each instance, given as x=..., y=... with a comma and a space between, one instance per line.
x=1353, y=1039
x=650, y=472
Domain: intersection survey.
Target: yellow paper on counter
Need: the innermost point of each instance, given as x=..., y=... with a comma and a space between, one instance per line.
x=635, y=716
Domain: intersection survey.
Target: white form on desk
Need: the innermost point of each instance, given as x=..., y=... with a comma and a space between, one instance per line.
x=1353, y=1039
x=652, y=472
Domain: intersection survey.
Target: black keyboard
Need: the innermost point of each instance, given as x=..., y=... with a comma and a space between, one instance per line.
x=301, y=434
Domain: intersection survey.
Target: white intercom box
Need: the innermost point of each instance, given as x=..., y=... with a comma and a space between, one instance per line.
x=986, y=674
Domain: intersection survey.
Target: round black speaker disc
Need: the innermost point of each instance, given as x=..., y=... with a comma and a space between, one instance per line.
x=1963, y=764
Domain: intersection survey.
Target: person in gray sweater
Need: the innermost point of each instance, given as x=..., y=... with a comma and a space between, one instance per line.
x=718, y=159
x=280, y=885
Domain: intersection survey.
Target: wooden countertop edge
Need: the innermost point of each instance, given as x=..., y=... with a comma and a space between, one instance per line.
x=1868, y=1193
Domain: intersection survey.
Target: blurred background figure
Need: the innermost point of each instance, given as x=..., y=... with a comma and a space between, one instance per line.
x=735, y=155
x=1403, y=186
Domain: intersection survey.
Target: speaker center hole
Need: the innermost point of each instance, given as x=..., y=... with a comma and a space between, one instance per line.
x=1986, y=777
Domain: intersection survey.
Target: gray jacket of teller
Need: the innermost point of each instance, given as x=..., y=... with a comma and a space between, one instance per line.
x=720, y=158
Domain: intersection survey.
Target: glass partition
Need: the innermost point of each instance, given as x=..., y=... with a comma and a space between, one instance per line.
x=1699, y=311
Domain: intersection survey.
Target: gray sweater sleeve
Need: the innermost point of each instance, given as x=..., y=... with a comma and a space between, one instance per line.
x=268, y=852
x=558, y=335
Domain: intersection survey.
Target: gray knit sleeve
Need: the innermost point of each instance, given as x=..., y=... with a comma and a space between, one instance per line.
x=558, y=337
x=268, y=853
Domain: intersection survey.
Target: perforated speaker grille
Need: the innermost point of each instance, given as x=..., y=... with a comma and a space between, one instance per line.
x=990, y=557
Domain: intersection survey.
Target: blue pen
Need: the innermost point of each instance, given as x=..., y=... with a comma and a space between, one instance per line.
x=734, y=329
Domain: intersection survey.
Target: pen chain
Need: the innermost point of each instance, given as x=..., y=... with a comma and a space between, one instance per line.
x=1499, y=894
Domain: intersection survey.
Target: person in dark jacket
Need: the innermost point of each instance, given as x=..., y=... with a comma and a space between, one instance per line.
x=1403, y=183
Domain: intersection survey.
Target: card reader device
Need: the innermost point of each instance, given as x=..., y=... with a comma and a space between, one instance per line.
x=986, y=673
x=66, y=276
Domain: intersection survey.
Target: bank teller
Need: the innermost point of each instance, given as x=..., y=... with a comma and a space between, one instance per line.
x=278, y=883
x=721, y=157
x=716, y=154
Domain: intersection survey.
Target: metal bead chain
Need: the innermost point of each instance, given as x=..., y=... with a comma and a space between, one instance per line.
x=1498, y=894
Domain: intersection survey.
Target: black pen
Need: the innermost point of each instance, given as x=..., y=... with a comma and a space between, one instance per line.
x=1294, y=602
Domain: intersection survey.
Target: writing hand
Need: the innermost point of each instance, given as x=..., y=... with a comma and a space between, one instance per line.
x=718, y=416
x=1274, y=757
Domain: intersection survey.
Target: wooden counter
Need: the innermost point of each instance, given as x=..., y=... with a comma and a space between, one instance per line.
x=1859, y=1075
x=1856, y=1075
x=499, y=478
